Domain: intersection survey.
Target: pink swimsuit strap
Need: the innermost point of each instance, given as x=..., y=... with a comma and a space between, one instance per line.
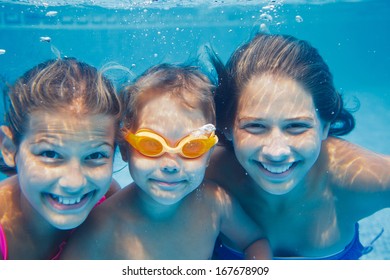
x=3, y=243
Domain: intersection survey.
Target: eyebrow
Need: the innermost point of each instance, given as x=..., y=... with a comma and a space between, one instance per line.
x=246, y=119
x=251, y=119
x=56, y=142
x=300, y=119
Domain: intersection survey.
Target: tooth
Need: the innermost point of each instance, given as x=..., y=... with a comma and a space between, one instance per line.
x=66, y=201
x=277, y=169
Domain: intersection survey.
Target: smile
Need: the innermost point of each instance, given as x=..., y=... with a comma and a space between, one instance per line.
x=167, y=185
x=277, y=169
x=68, y=203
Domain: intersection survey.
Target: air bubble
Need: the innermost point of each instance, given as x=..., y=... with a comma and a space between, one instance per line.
x=298, y=19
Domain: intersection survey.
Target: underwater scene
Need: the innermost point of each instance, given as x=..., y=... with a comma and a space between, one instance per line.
x=352, y=36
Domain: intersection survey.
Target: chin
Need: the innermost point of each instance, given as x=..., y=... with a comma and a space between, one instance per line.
x=68, y=223
x=167, y=202
x=277, y=189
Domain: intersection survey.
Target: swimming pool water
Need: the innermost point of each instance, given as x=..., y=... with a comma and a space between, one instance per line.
x=352, y=36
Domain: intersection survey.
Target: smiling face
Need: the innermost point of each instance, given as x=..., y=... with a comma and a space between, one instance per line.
x=277, y=133
x=64, y=164
x=169, y=178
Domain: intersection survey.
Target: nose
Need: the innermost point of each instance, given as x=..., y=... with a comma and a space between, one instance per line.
x=277, y=148
x=73, y=178
x=170, y=163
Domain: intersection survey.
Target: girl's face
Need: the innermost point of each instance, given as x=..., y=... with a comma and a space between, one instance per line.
x=64, y=164
x=277, y=132
x=169, y=178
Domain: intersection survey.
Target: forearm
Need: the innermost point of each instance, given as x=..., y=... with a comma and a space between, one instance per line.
x=259, y=250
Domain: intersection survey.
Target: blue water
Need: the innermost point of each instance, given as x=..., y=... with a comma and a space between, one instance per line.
x=352, y=36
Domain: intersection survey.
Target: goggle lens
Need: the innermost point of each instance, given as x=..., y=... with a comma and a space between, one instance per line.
x=149, y=146
x=194, y=148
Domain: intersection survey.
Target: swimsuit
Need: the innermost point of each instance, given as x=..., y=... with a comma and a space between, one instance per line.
x=353, y=251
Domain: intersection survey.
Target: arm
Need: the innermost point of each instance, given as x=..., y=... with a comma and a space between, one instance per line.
x=259, y=250
x=241, y=230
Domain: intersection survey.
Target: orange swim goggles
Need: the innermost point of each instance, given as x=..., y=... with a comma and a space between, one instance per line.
x=151, y=144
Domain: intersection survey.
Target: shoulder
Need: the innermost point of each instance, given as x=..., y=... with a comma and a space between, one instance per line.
x=354, y=167
x=8, y=189
x=344, y=156
x=215, y=195
x=210, y=187
x=341, y=149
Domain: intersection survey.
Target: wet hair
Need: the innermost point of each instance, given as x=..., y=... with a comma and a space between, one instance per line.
x=281, y=55
x=66, y=84
x=186, y=83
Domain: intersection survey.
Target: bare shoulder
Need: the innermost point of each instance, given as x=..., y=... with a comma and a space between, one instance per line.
x=101, y=217
x=355, y=167
x=216, y=194
x=8, y=187
x=342, y=150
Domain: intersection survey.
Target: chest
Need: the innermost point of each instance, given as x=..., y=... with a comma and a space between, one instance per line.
x=314, y=228
x=189, y=235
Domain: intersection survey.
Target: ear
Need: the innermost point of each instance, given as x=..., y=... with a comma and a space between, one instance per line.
x=228, y=134
x=124, y=151
x=8, y=147
x=210, y=152
x=325, y=130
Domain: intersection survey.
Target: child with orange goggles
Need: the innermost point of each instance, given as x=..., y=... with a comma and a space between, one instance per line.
x=169, y=211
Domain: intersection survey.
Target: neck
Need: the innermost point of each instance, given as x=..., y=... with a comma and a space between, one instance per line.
x=275, y=202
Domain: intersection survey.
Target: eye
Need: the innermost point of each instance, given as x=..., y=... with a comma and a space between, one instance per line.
x=50, y=155
x=97, y=158
x=254, y=127
x=297, y=128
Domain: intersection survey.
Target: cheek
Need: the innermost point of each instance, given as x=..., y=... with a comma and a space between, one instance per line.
x=102, y=174
x=33, y=173
x=308, y=145
x=196, y=166
x=244, y=143
x=195, y=170
x=140, y=164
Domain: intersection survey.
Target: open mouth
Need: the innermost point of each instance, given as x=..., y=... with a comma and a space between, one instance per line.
x=277, y=171
x=68, y=203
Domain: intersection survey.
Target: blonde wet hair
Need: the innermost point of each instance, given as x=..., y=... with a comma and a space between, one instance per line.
x=186, y=83
x=66, y=84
